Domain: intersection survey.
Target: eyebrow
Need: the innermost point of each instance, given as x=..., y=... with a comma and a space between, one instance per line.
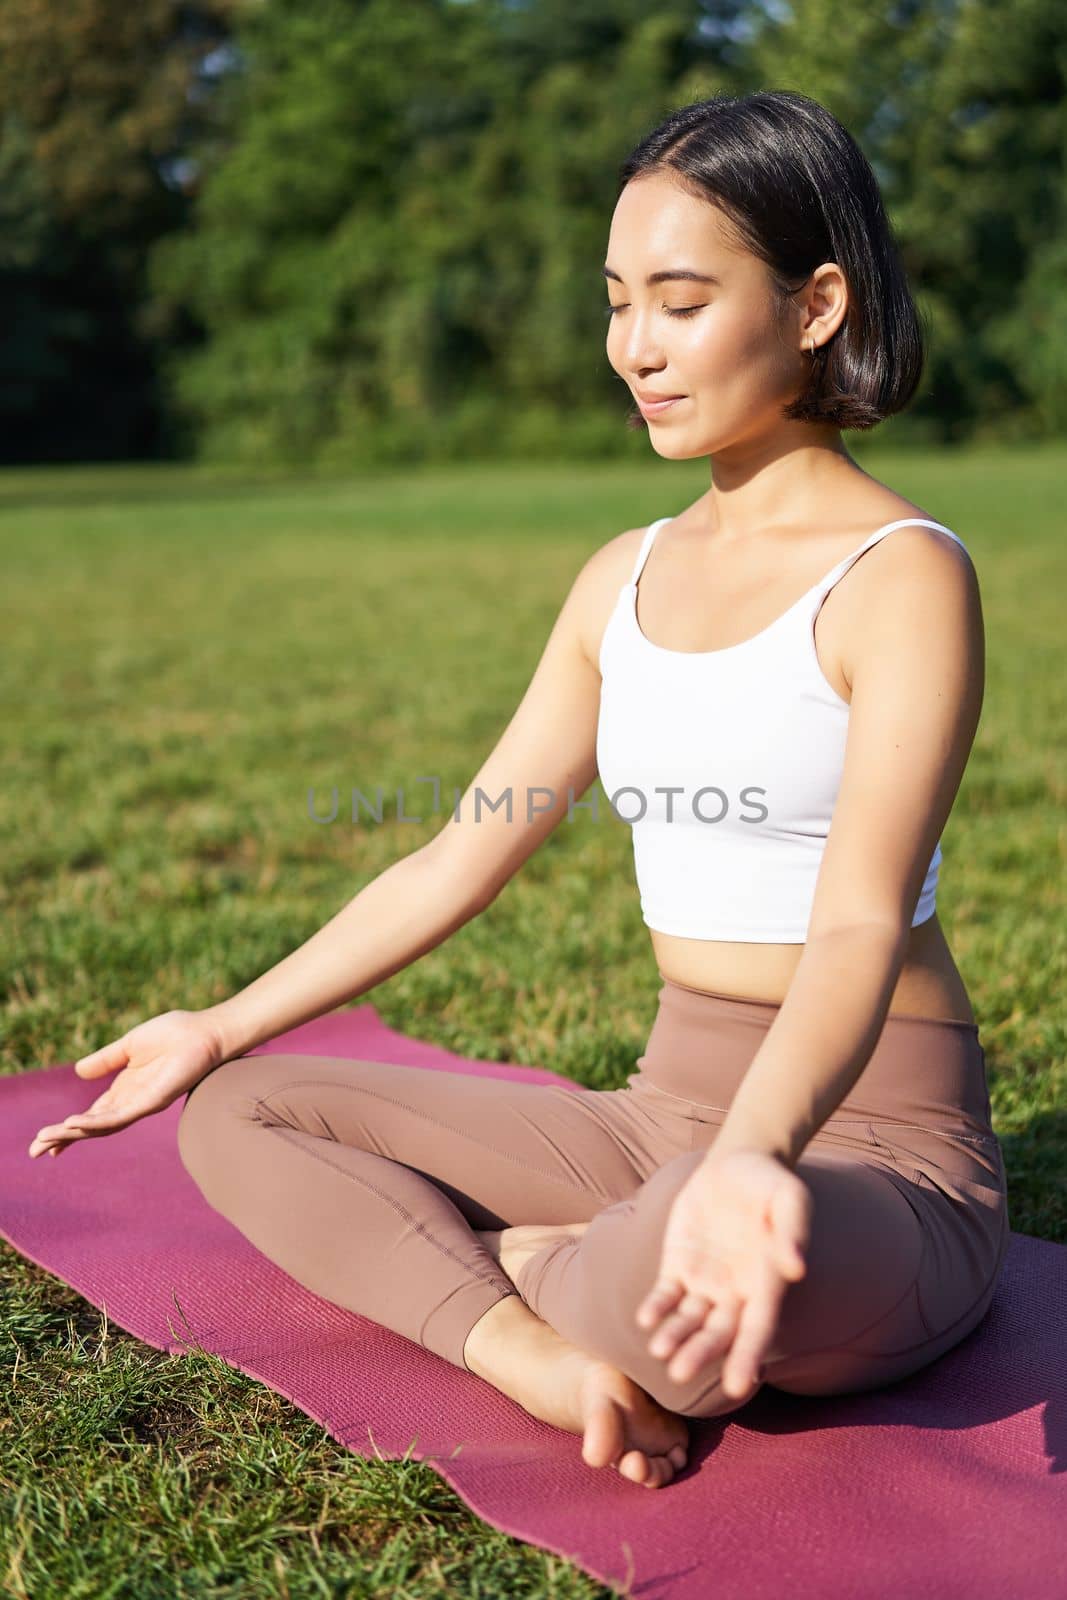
x=671, y=273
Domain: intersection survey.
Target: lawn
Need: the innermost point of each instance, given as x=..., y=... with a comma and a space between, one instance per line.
x=186, y=654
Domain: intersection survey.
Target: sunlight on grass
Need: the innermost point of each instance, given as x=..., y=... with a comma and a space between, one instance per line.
x=187, y=653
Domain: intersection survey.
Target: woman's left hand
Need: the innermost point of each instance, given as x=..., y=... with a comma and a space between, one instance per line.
x=734, y=1241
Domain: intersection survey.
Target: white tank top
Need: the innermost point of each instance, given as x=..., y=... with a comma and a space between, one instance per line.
x=726, y=764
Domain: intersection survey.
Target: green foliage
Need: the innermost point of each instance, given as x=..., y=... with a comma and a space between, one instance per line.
x=969, y=148
x=95, y=95
x=386, y=247
x=399, y=255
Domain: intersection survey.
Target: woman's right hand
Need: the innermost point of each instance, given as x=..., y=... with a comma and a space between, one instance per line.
x=160, y=1060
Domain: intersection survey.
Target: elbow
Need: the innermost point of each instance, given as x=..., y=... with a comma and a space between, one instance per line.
x=459, y=882
x=890, y=932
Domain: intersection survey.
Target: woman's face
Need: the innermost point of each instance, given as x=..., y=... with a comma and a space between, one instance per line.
x=717, y=344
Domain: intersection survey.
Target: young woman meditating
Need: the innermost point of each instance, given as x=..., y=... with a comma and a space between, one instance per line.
x=778, y=686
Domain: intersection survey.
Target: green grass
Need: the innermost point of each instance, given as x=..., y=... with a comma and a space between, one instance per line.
x=185, y=654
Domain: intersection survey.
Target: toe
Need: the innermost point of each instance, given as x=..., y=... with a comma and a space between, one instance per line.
x=603, y=1439
x=636, y=1466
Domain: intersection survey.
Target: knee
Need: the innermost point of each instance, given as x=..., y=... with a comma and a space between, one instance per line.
x=206, y=1121
x=622, y=1246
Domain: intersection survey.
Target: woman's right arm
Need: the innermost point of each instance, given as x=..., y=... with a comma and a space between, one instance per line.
x=409, y=908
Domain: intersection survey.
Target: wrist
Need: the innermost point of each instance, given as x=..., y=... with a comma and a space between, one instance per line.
x=230, y=1039
x=757, y=1141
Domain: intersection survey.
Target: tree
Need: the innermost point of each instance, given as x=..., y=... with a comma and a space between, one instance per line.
x=97, y=102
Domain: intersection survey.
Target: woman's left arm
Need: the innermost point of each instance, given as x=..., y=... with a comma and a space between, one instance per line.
x=739, y=1226
x=918, y=675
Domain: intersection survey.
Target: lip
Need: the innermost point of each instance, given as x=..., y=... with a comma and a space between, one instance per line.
x=653, y=408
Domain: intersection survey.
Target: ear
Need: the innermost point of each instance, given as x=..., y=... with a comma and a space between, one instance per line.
x=823, y=303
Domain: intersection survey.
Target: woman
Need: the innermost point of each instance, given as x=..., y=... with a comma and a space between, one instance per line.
x=800, y=1183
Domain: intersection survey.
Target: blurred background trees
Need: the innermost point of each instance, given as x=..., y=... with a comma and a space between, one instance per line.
x=99, y=101
x=372, y=230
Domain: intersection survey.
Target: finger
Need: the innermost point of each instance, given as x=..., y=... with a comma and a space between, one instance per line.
x=756, y=1328
x=83, y=1125
x=661, y=1298
x=107, y=1059
x=707, y=1344
x=69, y=1136
x=699, y=1351
x=97, y=1121
x=720, y=1317
x=741, y=1372
x=789, y=1260
x=52, y=1130
x=47, y=1136
x=689, y=1315
x=61, y=1135
x=703, y=1278
x=51, y=1135
x=791, y=1220
x=48, y=1148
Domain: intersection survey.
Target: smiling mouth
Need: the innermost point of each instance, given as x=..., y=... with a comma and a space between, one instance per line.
x=652, y=408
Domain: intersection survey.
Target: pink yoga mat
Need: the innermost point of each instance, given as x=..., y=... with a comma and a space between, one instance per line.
x=949, y=1484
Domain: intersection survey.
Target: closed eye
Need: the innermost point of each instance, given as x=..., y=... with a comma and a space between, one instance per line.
x=672, y=311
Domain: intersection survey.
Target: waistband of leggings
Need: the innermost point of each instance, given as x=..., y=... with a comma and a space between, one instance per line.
x=735, y=1003
x=926, y=1071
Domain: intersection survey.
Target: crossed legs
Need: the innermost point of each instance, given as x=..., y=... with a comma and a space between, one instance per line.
x=369, y=1183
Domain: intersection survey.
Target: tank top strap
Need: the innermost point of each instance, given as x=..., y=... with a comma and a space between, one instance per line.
x=646, y=545
x=825, y=584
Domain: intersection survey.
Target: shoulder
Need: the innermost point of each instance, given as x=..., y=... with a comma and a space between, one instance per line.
x=911, y=556
x=916, y=583
x=596, y=587
x=920, y=592
x=916, y=557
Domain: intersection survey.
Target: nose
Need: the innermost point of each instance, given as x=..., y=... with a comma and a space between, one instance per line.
x=641, y=353
x=645, y=363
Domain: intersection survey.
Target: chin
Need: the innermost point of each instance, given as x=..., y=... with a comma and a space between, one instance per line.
x=677, y=449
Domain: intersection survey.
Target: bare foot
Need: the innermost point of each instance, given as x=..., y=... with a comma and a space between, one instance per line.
x=622, y=1426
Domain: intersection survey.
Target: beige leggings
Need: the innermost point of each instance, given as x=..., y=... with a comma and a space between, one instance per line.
x=365, y=1180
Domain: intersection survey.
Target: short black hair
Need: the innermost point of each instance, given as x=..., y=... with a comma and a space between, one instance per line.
x=798, y=191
